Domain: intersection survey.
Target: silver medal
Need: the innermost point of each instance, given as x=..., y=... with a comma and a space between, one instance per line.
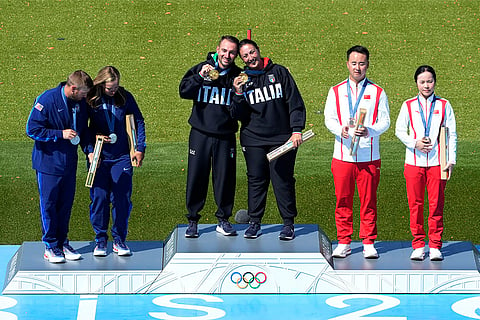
x=113, y=137
x=75, y=140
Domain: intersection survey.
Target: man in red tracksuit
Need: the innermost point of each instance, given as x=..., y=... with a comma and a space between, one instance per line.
x=342, y=109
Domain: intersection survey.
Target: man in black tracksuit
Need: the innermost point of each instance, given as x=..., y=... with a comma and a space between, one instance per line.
x=212, y=143
x=272, y=112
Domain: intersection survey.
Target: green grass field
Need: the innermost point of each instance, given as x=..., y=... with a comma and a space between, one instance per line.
x=154, y=43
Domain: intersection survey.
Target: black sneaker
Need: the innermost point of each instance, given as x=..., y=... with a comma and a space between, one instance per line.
x=224, y=227
x=287, y=233
x=253, y=231
x=192, y=230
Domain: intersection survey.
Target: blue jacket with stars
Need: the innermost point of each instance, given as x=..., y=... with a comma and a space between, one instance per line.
x=52, y=112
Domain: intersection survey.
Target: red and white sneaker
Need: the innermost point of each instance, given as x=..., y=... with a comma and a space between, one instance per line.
x=54, y=255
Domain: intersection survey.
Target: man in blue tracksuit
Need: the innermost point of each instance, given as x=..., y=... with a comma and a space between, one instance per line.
x=57, y=124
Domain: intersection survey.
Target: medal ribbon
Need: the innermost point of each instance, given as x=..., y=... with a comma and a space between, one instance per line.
x=110, y=121
x=353, y=110
x=222, y=72
x=250, y=71
x=74, y=110
x=426, y=124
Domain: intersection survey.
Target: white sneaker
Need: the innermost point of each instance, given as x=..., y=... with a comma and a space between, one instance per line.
x=342, y=250
x=70, y=253
x=121, y=248
x=54, y=255
x=369, y=251
x=435, y=254
x=418, y=254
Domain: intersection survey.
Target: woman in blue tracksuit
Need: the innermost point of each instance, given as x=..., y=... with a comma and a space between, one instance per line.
x=109, y=105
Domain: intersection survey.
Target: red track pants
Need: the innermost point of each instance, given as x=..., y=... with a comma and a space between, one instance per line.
x=417, y=178
x=367, y=177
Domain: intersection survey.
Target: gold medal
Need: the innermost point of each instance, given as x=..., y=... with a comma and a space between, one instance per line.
x=213, y=74
x=243, y=76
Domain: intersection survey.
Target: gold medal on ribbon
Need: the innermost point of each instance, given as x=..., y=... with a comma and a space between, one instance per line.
x=213, y=74
x=243, y=76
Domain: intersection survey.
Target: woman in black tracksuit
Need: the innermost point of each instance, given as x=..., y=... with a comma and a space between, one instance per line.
x=272, y=112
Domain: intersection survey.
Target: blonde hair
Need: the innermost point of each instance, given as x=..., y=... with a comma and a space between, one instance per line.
x=106, y=74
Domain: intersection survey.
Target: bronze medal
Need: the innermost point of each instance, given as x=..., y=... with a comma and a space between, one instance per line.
x=351, y=122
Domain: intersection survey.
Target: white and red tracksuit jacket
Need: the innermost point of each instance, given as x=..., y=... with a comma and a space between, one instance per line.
x=377, y=119
x=410, y=128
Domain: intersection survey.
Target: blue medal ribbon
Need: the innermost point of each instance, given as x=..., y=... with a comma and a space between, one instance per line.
x=426, y=124
x=110, y=120
x=75, y=140
x=353, y=109
x=251, y=71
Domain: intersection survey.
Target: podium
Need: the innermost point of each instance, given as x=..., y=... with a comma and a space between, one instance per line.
x=217, y=264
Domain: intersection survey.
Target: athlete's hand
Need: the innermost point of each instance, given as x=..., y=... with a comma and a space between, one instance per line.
x=361, y=132
x=296, y=139
x=138, y=157
x=449, y=168
x=423, y=145
x=345, y=132
x=90, y=159
x=238, y=83
x=205, y=70
x=69, y=134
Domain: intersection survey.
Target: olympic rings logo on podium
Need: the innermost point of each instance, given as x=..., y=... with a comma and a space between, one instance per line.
x=248, y=279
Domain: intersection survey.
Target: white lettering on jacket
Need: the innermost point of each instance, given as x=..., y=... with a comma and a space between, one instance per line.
x=267, y=93
x=214, y=95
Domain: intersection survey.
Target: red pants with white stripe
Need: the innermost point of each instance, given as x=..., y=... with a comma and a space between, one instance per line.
x=417, y=178
x=367, y=176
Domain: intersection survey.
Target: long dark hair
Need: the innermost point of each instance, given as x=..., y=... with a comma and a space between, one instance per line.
x=425, y=68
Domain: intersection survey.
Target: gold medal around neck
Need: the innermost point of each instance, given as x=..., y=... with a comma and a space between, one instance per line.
x=213, y=74
x=243, y=76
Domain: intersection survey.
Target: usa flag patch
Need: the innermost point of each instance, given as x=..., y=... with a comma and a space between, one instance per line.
x=39, y=106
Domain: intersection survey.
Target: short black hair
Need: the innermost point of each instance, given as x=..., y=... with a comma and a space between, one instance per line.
x=425, y=68
x=359, y=49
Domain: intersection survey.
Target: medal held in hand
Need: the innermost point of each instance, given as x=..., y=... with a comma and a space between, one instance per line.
x=113, y=137
x=213, y=74
x=75, y=140
x=244, y=77
x=351, y=123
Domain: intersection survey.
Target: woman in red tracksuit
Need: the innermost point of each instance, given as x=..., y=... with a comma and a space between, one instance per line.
x=418, y=126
